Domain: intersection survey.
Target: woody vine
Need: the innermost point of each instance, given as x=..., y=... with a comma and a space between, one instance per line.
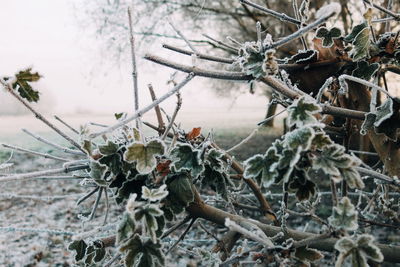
x=164, y=181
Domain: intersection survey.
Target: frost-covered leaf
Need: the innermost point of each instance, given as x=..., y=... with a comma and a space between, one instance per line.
x=213, y=158
x=113, y=162
x=304, y=10
x=109, y=148
x=126, y=228
x=344, y=215
x=87, y=146
x=216, y=180
x=264, y=165
x=126, y=187
x=22, y=84
x=360, y=38
x=321, y=140
x=301, y=111
x=352, y=177
x=95, y=253
x=355, y=31
x=303, y=187
x=368, y=123
x=193, y=134
x=185, y=158
x=331, y=159
x=361, y=250
x=308, y=254
x=328, y=35
x=147, y=213
x=142, y=253
x=180, y=189
x=383, y=112
x=144, y=155
x=79, y=246
x=301, y=137
x=304, y=56
x=251, y=59
x=98, y=172
x=364, y=70
x=120, y=116
x=156, y=194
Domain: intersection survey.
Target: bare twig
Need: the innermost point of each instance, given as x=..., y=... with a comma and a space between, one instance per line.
x=377, y=175
x=176, y=226
x=199, y=55
x=384, y=10
x=44, y=155
x=224, y=45
x=160, y=120
x=66, y=124
x=182, y=236
x=142, y=111
x=171, y=123
x=29, y=175
x=280, y=16
x=183, y=37
x=43, y=140
x=8, y=87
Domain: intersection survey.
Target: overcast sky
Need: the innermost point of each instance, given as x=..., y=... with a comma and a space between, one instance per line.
x=46, y=34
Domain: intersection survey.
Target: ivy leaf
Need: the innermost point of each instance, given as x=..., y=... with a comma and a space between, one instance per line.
x=361, y=44
x=131, y=186
x=303, y=187
x=360, y=250
x=154, y=195
x=148, y=213
x=352, y=177
x=213, y=158
x=216, y=180
x=308, y=254
x=328, y=35
x=87, y=146
x=126, y=228
x=301, y=111
x=344, y=215
x=95, y=252
x=289, y=158
x=144, y=155
x=321, y=140
x=364, y=70
x=109, y=148
x=22, y=84
x=251, y=59
x=301, y=137
x=185, y=158
x=304, y=56
x=80, y=249
x=113, y=162
x=264, y=165
x=355, y=31
x=98, y=172
x=368, y=123
x=331, y=158
x=142, y=253
x=180, y=189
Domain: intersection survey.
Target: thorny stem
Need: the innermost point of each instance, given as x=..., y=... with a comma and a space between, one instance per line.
x=8, y=87
x=142, y=111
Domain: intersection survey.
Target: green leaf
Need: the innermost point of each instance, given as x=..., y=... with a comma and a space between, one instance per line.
x=22, y=84
x=120, y=115
x=301, y=111
x=352, y=177
x=126, y=228
x=87, y=146
x=113, y=162
x=109, y=148
x=98, y=172
x=301, y=137
x=213, y=158
x=264, y=165
x=321, y=140
x=144, y=155
x=185, y=158
x=344, y=215
x=360, y=250
x=364, y=70
x=251, y=59
x=156, y=194
x=361, y=45
x=331, y=159
x=355, y=31
x=128, y=187
x=328, y=35
x=217, y=181
x=80, y=249
x=303, y=187
x=308, y=254
x=142, y=253
x=148, y=213
x=180, y=189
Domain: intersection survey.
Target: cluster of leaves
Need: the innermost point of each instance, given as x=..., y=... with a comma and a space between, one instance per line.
x=302, y=152
x=22, y=84
x=256, y=59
